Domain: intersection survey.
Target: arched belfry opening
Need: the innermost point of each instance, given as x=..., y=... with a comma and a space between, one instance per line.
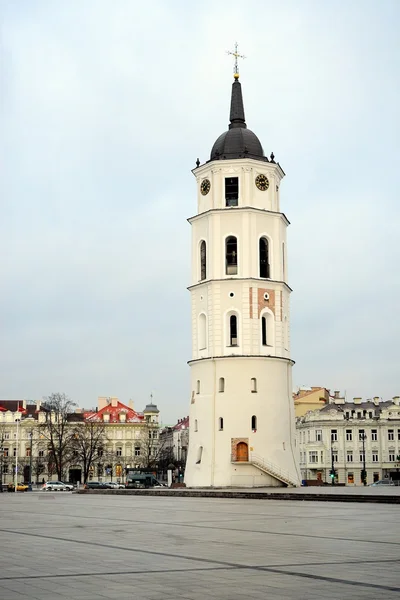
x=264, y=258
x=203, y=260
x=231, y=255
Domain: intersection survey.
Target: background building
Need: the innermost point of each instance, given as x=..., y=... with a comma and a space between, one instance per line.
x=307, y=398
x=126, y=438
x=347, y=434
x=174, y=440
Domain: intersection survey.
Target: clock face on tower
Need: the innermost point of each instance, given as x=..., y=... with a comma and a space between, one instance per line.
x=205, y=187
x=262, y=182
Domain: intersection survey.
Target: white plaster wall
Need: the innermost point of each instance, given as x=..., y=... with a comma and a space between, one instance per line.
x=274, y=439
x=246, y=170
x=256, y=215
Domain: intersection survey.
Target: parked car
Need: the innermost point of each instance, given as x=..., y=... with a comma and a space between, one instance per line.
x=113, y=485
x=21, y=487
x=95, y=485
x=57, y=486
x=383, y=482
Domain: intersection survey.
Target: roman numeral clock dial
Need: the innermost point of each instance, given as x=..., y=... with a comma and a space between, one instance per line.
x=262, y=182
x=205, y=187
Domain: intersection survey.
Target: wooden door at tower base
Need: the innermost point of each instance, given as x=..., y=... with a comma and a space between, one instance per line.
x=242, y=452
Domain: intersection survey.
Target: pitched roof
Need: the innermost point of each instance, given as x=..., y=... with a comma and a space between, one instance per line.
x=114, y=412
x=182, y=424
x=18, y=405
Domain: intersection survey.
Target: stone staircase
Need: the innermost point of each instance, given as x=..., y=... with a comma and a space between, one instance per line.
x=267, y=467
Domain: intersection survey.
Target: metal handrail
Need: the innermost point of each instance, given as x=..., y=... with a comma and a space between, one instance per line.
x=256, y=459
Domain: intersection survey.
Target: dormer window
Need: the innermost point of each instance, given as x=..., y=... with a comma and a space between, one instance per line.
x=106, y=418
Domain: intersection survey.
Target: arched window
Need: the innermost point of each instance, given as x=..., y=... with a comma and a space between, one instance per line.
x=233, y=331
x=264, y=258
x=254, y=422
x=199, y=455
x=198, y=386
x=195, y=425
x=267, y=324
x=221, y=384
x=202, y=331
x=221, y=424
x=203, y=261
x=253, y=385
x=231, y=255
x=264, y=331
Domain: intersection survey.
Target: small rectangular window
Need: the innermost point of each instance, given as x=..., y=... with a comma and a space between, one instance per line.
x=334, y=435
x=390, y=434
x=375, y=457
x=349, y=456
x=349, y=435
x=374, y=435
x=361, y=434
x=318, y=435
x=231, y=191
x=392, y=457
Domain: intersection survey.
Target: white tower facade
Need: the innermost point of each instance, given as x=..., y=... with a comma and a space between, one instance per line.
x=242, y=429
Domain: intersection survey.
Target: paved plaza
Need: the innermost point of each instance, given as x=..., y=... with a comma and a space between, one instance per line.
x=89, y=547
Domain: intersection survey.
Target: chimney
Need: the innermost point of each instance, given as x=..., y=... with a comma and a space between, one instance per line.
x=114, y=402
x=376, y=400
x=336, y=394
x=396, y=400
x=357, y=400
x=130, y=404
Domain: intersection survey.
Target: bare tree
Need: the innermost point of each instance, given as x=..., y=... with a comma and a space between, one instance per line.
x=57, y=431
x=151, y=447
x=88, y=442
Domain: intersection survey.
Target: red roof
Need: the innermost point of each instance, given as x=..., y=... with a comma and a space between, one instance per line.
x=182, y=424
x=114, y=412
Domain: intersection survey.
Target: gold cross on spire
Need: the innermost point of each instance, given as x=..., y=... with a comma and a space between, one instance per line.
x=236, y=66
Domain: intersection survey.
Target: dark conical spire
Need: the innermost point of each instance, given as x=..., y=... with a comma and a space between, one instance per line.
x=238, y=141
x=237, y=108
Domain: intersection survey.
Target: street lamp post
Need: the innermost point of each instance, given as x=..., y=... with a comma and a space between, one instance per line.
x=30, y=461
x=332, y=466
x=16, y=454
x=364, y=472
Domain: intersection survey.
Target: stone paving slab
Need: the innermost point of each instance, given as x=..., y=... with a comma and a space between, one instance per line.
x=147, y=548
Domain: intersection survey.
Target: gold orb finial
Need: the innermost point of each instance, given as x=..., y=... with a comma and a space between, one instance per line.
x=236, y=76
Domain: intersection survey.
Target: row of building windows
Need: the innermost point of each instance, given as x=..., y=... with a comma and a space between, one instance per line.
x=221, y=424
x=266, y=330
x=232, y=258
x=350, y=435
x=333, y=456
x=221, y=385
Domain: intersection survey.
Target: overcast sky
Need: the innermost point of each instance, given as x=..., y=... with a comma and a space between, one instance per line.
x=106, y=104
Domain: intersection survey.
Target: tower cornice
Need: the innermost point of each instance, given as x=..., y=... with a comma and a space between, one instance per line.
x=255, y=279
x=240, y=208
x=240, y=356
x=216, y=164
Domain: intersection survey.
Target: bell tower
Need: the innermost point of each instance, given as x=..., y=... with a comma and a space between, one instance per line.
x=242, y=430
